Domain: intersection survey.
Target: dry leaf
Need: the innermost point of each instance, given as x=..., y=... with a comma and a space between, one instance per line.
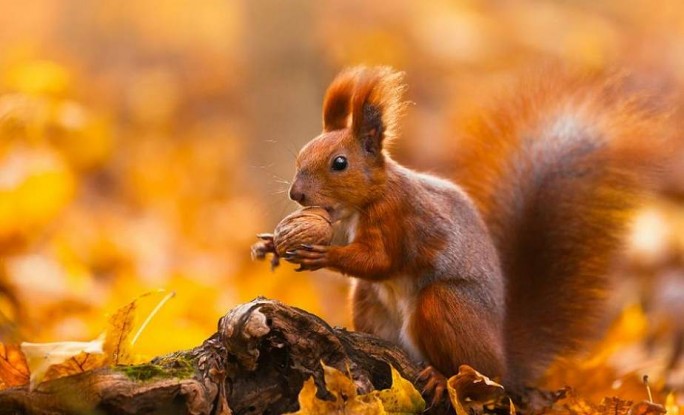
x=401, y=398
x=117, y=335
x=646, y=408
x=470, y=392
x=53, y=360
x=41, y=356
x=614, y=406
x=343, y=390
x=14, y=369
x=309, y=404
x=570, y=403
x=80, y=363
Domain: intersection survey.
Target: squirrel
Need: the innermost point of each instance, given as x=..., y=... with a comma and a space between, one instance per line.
x=505, y=270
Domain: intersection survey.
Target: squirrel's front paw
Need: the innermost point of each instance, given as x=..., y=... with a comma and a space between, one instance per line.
x=309, y=257
x=263, y=247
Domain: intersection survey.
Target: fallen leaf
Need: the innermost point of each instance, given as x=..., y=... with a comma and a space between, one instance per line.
x=346, y=400
x=646, y=408
x=41, y=356
x=309, y=404
x=49, y=361
x=14, y=369
x=614, y=406
x=118, y=341
x=401, y=398
x=470, y=392
x=80, y=363
x=571, y=403
x=117, y=335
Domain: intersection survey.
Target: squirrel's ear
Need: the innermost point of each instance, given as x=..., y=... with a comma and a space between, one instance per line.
x=337, y=101
x=377, y=106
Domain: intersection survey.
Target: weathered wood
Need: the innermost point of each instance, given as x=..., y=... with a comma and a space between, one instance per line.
x=256, y=363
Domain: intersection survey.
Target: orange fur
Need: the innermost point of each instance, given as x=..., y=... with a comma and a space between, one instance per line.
x=556, y=171
x=380, y=90
x=445, y=326
x=503, y=281
x=336, y=104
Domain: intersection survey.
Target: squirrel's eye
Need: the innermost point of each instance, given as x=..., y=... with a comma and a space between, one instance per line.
x=339, y=163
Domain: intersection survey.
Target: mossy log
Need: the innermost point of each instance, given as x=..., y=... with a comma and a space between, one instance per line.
x=256, y=363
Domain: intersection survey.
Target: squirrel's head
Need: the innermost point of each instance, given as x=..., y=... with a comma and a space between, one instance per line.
x=344, y=168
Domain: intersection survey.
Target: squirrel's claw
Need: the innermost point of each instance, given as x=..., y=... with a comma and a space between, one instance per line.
x=315, y=248
x=435, y=387
x=265, y=236
x=309, y=257
x=275, y=261
x=263, y=247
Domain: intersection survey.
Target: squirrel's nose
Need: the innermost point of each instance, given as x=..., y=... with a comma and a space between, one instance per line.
x=297, y=195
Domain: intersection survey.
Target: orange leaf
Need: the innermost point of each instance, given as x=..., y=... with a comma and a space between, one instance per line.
x=13, y=367
x=41, y=356
x=80, y=363
x=647, y=408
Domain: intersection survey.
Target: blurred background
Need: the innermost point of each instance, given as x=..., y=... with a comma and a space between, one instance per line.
x=143, y=144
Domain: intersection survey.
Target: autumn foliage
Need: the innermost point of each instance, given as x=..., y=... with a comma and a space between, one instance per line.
x=143, y=146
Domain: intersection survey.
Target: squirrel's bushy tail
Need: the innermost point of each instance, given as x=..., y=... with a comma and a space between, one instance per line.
x=556, y=171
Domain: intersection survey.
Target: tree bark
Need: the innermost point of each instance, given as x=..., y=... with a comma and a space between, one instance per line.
x=256, y=363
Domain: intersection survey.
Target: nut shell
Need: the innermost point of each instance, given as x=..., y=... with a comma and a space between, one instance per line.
x=309, y=225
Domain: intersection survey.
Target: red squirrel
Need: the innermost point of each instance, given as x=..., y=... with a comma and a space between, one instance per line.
x=503, y=271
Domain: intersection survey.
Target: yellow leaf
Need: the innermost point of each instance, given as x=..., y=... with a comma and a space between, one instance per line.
x=338, y=383
x=117, y=335
x=53, y=360
x=401, y=398
x=35, y=186
x=80, y=363
x=14, y=369
x=118, y=341
x=671, y=404
x=343, y=390
x=38, y=77
x=309, y=404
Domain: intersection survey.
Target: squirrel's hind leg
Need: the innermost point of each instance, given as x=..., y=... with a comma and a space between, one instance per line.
x=450, y=329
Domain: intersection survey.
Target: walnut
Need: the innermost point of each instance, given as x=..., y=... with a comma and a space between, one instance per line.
x=309, y=225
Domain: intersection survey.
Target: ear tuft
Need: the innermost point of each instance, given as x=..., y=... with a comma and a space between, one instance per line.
x=377, y=106
x=337, y=101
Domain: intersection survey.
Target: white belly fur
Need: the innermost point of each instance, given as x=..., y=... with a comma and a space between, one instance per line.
x=398, y=296
x=345, y=230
